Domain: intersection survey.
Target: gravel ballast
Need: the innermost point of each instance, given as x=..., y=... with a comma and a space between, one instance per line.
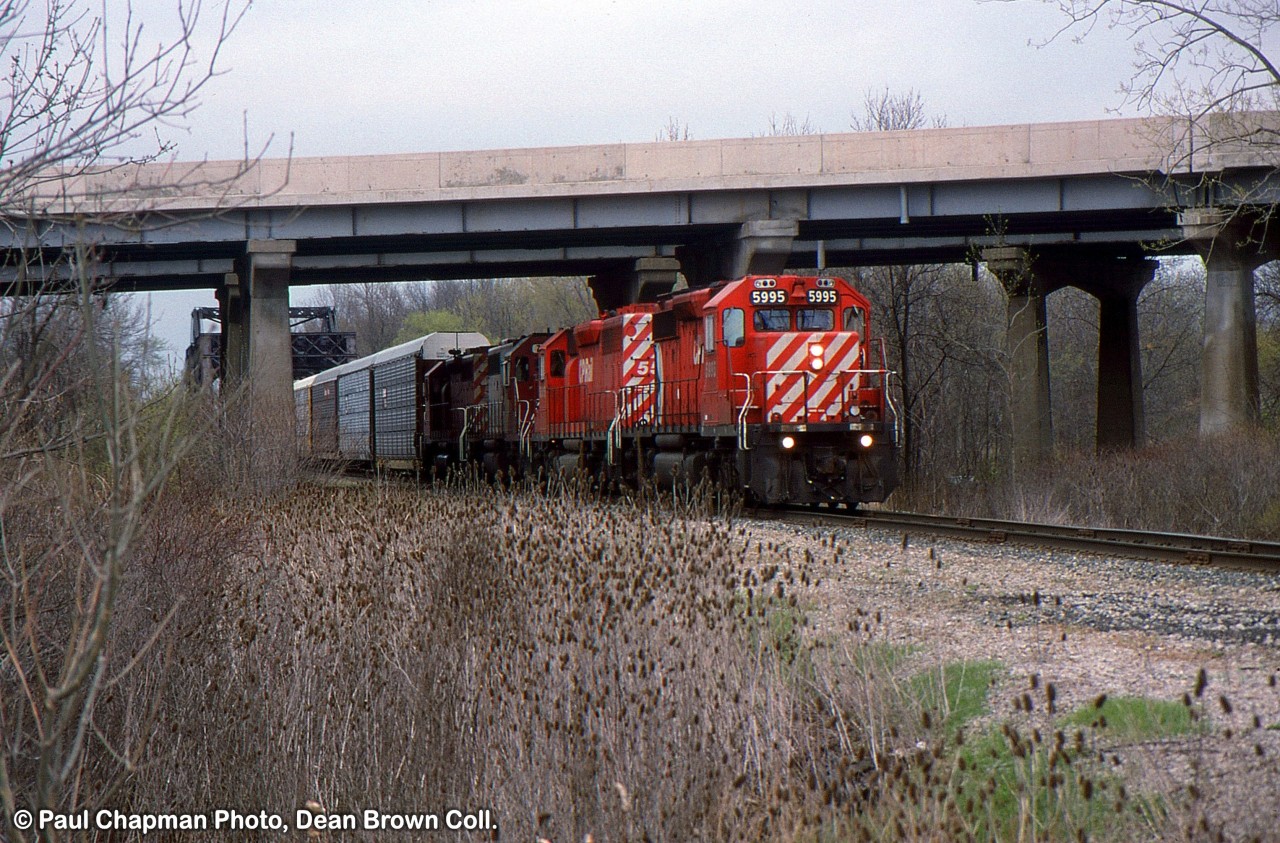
x=1089, y=624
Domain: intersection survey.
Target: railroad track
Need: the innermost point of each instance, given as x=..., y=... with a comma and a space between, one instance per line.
x=1141, y=544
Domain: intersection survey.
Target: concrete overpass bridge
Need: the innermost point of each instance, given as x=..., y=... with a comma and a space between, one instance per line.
x=1044, y=206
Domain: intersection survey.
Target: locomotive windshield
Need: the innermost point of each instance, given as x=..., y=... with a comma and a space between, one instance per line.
x=773, y=319
x=815, y=319
x=778, y=319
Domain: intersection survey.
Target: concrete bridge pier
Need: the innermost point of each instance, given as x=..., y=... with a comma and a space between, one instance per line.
x=233, y=307
x=1232, y=248
x=1116, y=283
x=1028, y=347
x=644, y=281
x=256, y=346
x=760, y=247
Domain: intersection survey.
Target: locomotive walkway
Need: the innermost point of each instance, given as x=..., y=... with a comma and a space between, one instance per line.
x=1044, y=206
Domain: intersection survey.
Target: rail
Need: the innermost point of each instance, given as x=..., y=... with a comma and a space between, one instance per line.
x=1143, y=544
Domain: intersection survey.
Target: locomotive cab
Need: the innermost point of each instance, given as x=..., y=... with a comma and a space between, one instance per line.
x=812, y=415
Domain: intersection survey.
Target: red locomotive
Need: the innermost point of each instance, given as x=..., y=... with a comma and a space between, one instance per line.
x=765, y=384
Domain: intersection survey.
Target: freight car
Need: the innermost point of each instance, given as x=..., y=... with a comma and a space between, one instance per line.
x=368, y=411
x=767, y=384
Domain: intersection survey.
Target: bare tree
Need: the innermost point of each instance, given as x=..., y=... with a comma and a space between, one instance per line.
x=89, y=88
x=1269, y=341
x=939, y=332
x=1210, y=63
x=887, y=111
x=382, y=314
x=788, y=126
x=82, y=459
x=373, y=310
x=1194, y=57
x=675, y=130
x=508, y=307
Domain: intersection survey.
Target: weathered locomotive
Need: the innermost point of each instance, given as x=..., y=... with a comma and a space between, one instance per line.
x=766, y=384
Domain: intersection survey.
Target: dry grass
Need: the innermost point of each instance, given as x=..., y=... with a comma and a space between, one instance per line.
x=577, y=667
x=1222, y=485
x=612, y=669
x=588, y=668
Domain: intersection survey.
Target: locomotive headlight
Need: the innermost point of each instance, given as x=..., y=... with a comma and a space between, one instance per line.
x=788, y=442
x=815, y=363
x=815, y=350
x=865, y=440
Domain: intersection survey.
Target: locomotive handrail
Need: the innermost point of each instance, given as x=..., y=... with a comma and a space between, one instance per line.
x=888, y=392
x=743, y=444
x=468, y=414
x=462, y=437
x=884, y=360
x=893, y=407
x=884, y=373
x=614, y=431
x=528, y=409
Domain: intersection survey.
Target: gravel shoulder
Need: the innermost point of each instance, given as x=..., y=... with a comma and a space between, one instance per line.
x=1089, y=624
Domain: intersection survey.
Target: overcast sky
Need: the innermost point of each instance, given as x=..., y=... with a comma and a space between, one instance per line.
x=383, y=76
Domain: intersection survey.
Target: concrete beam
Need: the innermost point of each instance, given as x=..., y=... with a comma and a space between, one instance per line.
x=924, y=156
x=643, y=281
x=762, y=248
x=758, y=247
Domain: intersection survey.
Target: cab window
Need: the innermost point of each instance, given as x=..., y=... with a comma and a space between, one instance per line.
x=853, y=319
x=709, y=333
x=557, y=363
x=772, y=319
x=734, y=327
x=522, y=369
x=815, y=319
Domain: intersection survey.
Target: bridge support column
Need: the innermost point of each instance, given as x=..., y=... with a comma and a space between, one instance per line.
x=234, y=350
x=1121, y=421
x=643, y=282
x=257, y=350
x=1231, y=251
x=1116, y=283
x=1027, y=338
x=761, y=247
